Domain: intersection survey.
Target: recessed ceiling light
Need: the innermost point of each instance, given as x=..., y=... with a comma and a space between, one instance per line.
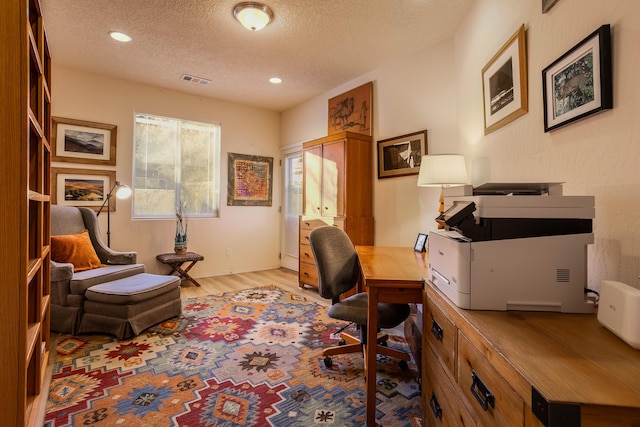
x=275, y=80
x=121, y=37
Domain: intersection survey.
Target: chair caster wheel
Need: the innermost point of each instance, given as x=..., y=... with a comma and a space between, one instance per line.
x=403, y=365
x=328, y=362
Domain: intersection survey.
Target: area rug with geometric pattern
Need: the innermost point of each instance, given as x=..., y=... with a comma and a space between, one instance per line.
x=247, y=358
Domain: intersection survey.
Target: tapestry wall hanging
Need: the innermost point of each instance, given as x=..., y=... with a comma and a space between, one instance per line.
x=250, y=180
x=351, y=111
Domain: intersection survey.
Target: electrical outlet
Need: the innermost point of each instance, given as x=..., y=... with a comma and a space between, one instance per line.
x=228, y=251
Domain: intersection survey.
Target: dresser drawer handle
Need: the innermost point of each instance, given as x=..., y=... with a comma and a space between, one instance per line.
x=436, y=330
x=435, y=406
x=481, y=392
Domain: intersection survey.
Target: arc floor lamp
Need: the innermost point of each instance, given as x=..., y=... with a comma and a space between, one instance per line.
x=122, y=192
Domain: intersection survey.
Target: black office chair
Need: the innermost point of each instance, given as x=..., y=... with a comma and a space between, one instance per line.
x=338, y=272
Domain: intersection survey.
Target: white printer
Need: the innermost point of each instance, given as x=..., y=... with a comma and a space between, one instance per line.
x=513, y=247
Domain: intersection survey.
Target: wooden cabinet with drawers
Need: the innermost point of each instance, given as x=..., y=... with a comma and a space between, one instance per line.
x=534, y=369
x=337, y=191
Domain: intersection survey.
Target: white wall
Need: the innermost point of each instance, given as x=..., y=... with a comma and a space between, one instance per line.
x=440, y=89
x=252, y=233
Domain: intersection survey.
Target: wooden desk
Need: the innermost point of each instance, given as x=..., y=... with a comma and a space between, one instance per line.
x=390, y=274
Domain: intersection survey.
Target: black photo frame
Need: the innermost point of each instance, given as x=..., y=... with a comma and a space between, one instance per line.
x=579, y=83
x=421, y=243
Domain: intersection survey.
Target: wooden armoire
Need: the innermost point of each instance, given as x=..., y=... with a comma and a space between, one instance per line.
x=25, y=160
x=337, y=191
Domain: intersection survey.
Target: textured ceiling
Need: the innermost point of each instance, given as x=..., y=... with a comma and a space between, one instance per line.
x=313, y=45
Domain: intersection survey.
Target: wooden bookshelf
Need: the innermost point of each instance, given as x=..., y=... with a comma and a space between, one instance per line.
x=25, y=158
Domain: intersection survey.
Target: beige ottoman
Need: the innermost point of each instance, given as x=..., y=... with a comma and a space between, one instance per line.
x=128, y=306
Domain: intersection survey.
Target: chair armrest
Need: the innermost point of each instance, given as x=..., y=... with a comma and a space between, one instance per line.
x=114, y=257
x=105, y=253
x=61, y=274
x=61, y=271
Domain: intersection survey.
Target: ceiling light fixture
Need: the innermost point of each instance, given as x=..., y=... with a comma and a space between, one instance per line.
x=275, y=80
x=253, y=16
x=121, y=37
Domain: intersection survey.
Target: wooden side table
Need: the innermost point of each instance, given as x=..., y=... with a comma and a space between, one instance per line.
x=175, y=261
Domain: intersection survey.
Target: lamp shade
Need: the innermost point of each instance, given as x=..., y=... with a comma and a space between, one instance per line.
x=441, y=170
x=123, y=191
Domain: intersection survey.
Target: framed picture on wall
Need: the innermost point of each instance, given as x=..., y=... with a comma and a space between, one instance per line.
x=79, y=141
x=82, y=187
x=249, y=180
x=401, y=155
x=579, y=83
x=504, y=84
x=351, y=111
x=547, y=4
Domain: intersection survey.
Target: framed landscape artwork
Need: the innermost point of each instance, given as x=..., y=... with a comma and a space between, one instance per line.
x=401, y=155
x=250, y=180
x=79, y=141
x=579, y=83
x=351, y=111
x=504, y=84
x=547, y=4
x=82, y=187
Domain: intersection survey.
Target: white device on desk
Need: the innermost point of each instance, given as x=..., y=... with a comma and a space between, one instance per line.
x=529, y=252
x=619, y=311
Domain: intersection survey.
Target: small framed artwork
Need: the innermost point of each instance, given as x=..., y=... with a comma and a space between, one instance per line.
x=504, y=84
x=401, y=155
x=421, y=243
x=82, y=187
x=547, y=4
x=351, y=111
x=578, y=84
x=250, y=180
x=79, y=141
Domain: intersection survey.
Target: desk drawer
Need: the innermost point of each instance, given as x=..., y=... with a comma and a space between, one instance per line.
x=489, y=394
x=441, y=335
x=443, y=405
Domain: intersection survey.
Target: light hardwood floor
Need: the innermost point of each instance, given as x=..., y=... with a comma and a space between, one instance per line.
x=281, y=277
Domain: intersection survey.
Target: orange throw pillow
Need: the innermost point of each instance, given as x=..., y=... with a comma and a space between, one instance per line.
x=76, y=249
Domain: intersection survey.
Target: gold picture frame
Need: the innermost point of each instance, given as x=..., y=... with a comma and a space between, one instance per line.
x=80, y=141
x=82, y=187
x=504, y=84
x=402, y=155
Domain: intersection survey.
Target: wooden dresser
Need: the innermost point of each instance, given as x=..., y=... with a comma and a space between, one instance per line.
x=338, y=191
x=524, y=369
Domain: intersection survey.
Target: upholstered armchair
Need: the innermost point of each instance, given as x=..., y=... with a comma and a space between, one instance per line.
x=69, y=281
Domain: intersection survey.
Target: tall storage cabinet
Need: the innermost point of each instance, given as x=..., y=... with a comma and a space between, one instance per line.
x=25, y=158
x=338, y=191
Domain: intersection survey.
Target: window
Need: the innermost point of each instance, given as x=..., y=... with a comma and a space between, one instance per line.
x=176, y=163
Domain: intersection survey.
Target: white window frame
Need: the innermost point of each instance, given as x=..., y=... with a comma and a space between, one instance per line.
x=213, y=191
